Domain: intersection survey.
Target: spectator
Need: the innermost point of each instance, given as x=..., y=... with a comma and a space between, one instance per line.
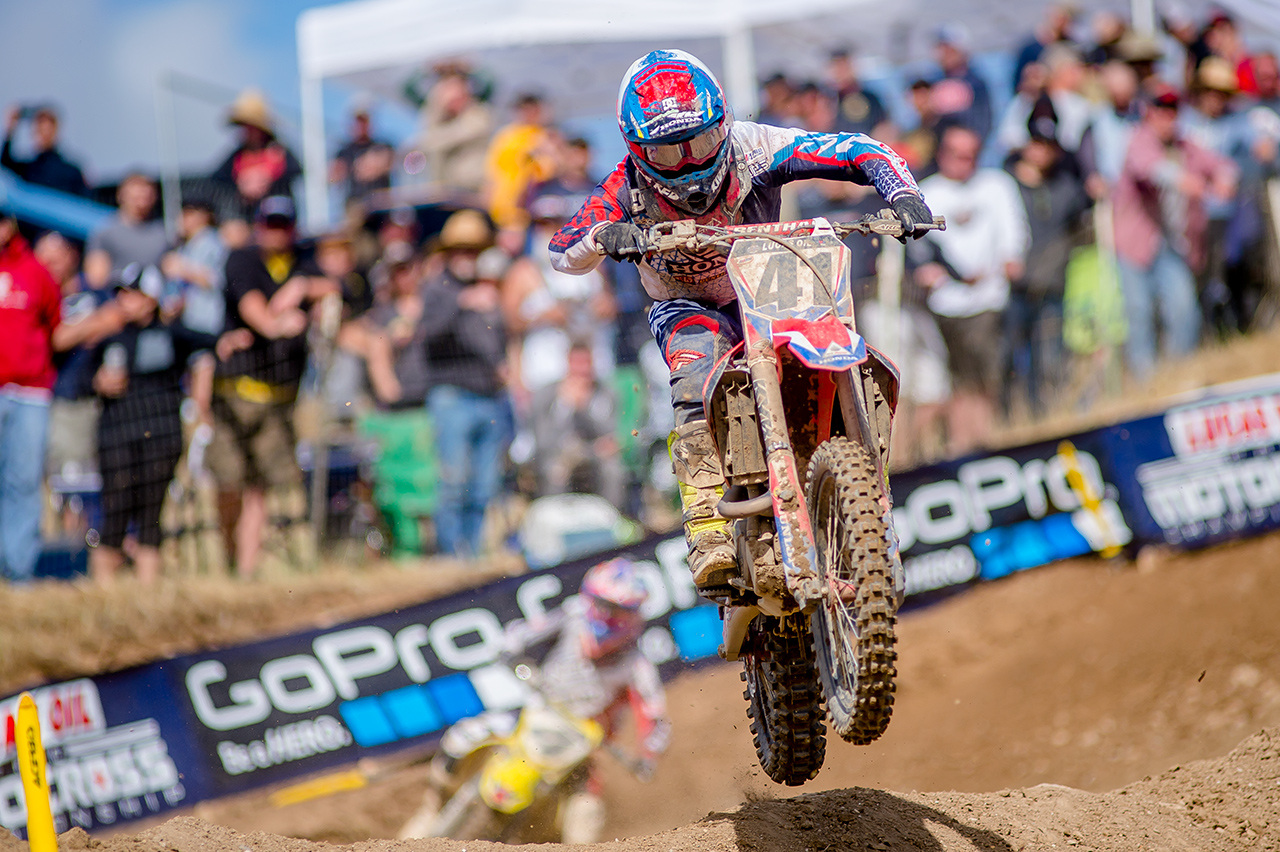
x=1109, y=31
x=30, y=310
x=260, y=166
x=88, y=316
x=980, y=252
x=131, y=236
x=48, y=167
x=857, y=110
x=960, y=96
x=363, y=165
x=466, y=348
x=1160, y=225
x=198, y=265
x=1065, y=77
x=776, y=101
x=1011, y=132
x=920, y=145
x=1106, y=141
x=521, y=154
x=1209, y=122
x=1054, y=29
x=1142, y=52
x=815, y=108
x=549, y=309
x=393, y=336
x=575, y=425
x=1055, y=203
x=456, y=133
x=262, y=358
x=336, y=260
x=140, y=431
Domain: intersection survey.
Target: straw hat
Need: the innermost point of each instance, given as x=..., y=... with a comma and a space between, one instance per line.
x=466, y=230
x=251, y=110
x=1216, y=74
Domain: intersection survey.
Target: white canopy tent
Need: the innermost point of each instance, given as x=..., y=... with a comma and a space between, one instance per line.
x=575, y=51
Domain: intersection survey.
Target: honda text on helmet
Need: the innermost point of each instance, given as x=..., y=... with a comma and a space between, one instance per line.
x=673, y=116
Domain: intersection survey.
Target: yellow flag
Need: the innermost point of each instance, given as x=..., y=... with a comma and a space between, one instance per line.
x=31, y=764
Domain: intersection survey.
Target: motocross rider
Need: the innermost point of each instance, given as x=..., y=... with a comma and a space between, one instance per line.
x=688, y=159
x=594, y=670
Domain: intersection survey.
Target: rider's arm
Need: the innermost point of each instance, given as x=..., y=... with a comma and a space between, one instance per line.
x=573, y=248
x=648, y=702
x=777, y=155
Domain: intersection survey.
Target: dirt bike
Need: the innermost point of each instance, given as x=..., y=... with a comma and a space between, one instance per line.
x=515, y=783
x=813, y=609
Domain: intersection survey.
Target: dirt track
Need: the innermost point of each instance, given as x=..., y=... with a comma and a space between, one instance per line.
x=1226, y=804
x=1086, y=674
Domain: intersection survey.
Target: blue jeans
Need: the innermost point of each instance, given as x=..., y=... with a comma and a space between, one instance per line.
x=24, y=429
x=1169, y=281
x=470, y=430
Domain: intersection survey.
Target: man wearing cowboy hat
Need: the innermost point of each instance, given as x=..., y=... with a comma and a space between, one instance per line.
x=466, y=346
x=259, y=166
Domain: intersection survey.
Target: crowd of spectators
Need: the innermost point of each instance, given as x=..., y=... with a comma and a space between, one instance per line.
x=1117, y=203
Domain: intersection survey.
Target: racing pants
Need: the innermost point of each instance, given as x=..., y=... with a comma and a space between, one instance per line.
x=694, y=337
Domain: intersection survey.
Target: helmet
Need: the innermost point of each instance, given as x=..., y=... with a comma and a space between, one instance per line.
x=614, y=594
x=673, y=115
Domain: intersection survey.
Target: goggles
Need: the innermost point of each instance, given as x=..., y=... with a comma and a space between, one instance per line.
x=677, y=155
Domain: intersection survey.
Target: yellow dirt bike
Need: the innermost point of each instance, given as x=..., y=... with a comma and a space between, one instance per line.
x=521, y=782
x=813, y=608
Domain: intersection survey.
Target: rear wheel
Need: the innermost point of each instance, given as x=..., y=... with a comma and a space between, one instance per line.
x=853, y=627
x=785, y=699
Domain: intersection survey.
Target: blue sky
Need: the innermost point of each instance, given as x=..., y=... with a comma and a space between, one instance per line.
x=99, y=59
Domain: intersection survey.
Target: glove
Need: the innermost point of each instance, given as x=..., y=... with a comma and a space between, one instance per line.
x=911, y=211
x=622, y=241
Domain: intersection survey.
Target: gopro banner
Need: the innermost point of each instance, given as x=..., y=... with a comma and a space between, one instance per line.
x=166, y=735
x=984, y=518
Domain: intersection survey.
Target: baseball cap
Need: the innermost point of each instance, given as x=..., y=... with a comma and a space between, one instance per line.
x=145, y=279
x=954, y=34
x=279, y=208
x=1165, y=96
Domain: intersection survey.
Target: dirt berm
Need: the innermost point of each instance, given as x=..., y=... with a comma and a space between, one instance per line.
x=1224, y=804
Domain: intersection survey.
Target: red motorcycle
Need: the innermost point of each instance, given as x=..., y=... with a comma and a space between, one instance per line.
x=813, y=609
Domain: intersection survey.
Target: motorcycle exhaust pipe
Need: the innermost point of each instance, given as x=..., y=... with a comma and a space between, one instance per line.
x=737, y=509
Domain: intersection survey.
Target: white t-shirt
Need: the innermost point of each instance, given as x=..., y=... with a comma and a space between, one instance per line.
x=986, y=228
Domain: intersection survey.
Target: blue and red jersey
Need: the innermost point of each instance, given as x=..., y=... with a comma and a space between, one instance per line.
x=765, y=158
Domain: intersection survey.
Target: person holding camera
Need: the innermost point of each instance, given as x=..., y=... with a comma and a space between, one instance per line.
x=48, y=167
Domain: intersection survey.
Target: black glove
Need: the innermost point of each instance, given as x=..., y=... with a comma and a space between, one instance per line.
x=911, y=212
x=622, y=241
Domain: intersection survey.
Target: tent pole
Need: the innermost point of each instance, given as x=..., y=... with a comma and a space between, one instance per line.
x=170, y=172
x=315, y=165
x=740, y=69
x=1143, y=13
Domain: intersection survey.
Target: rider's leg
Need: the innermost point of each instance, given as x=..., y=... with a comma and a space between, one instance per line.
x=693, y=337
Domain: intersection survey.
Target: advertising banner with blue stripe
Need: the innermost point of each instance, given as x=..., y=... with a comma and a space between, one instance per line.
x=169, y=734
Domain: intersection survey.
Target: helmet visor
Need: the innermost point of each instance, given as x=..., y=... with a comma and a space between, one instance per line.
x=691, y=152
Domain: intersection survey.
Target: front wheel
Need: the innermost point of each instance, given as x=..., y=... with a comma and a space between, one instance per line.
x=853, y=627
x=784, y=699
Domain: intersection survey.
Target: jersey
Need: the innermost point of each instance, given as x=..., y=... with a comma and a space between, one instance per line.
x=765, y=158
x=595, y=688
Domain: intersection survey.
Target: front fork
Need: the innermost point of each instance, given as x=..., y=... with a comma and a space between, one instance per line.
x=791, y=514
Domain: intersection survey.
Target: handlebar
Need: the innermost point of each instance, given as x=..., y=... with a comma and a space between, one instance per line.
x=690, y=236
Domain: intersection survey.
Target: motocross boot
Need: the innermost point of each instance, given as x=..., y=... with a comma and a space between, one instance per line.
x=697, y=466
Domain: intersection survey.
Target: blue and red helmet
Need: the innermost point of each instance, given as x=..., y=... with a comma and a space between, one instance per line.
x=673, y=115
x=614, y=593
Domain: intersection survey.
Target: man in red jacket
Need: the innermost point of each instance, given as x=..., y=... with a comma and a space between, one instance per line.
x=30, y=310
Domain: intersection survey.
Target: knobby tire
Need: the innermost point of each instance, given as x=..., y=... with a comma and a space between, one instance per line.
x=854, y=627
x=784, y=699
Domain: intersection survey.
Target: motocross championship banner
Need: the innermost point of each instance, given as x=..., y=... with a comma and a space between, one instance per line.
x=139, y=742
x=146, y=740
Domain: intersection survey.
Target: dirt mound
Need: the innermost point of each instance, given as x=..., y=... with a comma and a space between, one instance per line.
x=1223, y=804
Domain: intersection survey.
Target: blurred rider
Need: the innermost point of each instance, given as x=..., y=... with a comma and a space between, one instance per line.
x=594, y=670
x=688, y=159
